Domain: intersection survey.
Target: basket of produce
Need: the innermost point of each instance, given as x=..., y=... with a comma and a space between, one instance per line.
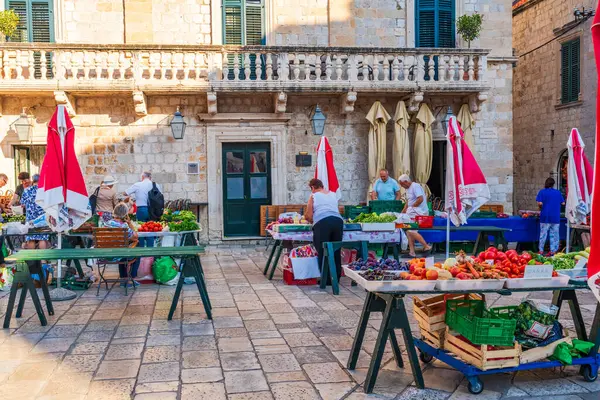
x=382, y=206
x=470, y=273
x=375, y=222
x=179, y=221
x=301, y=267
x=479, y=325
x=424, y=221
x=351, y=212
x=484, y=356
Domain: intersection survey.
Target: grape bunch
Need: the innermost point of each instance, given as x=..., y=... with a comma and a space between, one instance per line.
x=380, y=275
x=381, y=265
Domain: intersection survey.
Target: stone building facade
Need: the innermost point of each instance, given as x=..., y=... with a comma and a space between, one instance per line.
x=543, y=119
x=122, y=72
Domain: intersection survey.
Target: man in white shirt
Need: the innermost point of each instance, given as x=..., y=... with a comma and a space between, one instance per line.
x=140, y=190
x=416, y=203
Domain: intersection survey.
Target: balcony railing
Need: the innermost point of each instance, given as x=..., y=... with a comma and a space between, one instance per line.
x=38, y=66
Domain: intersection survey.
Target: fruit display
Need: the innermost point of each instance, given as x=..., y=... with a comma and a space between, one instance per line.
x=511, y=264
x=151, y=226
x=381, y=264
x=13, y=218
x=287, y=220
x=374, y=218
x=562, y=261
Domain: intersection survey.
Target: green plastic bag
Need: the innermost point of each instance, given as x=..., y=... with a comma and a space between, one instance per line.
x=4, y=250
x=562, y=353
x=164, y=269
x=582, y=347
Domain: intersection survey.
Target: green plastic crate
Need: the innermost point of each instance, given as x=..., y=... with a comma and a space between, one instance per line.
x=467, y=247
x=351, y=212
x=381, y=206
x=471, y=319
x=484, y=214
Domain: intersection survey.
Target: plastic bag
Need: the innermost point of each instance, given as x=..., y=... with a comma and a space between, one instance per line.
x=164, y=269
x=535, y=320
x=6, y=278
x=145, y=267
x=563, y=354
x=582, y=346
x=173, y=281
x=16, y=228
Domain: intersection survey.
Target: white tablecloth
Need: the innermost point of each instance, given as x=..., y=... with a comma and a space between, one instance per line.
x=349, y=236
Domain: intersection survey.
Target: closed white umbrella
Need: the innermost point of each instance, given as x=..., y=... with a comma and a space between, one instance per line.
x=401, y=152
x=423, y=147
x=378, y=118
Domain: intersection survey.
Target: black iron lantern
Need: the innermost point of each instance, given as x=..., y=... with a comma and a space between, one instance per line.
x=178, y=125
x=318, y=121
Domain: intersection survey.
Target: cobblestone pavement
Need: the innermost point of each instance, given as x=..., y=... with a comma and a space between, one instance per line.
x=266, y=341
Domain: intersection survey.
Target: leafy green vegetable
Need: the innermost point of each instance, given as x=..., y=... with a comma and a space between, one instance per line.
x=175, y=216
x=374, y=218
x=183, y=226
x=563, y=262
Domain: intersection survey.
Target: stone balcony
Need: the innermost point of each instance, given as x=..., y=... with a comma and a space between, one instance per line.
x=147, y=69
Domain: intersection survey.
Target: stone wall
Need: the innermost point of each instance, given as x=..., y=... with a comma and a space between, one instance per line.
x=541, y=125
x=89, y=21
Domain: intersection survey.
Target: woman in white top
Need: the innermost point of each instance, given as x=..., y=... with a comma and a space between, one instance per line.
x=328, y=224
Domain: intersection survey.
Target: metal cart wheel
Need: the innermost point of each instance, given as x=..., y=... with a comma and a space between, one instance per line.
x=475, y=385
x=588, y=375
x=426, y=358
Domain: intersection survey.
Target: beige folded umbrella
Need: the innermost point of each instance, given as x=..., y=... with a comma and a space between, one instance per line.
x=378, y=118
x=423, y=150
x=467, y=123
x=401, y=150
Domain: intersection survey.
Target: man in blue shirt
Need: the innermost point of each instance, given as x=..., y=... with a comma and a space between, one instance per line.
x=385, y=188
x=550, y=201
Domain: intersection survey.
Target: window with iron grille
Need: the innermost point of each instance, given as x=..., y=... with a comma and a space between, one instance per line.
x=570, y=71
x=36, y=24
x=435, y=21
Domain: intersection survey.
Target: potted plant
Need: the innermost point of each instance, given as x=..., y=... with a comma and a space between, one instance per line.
x=469, y=27
x=9, y=21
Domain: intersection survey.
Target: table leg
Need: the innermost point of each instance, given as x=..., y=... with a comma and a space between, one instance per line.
x=275, y=245
x=11, y=304
x=36, y=301
x=500, y=239
x=380, y=343
x=477, y=243
x=324, y=270
x=386, y=248
x=21, y=304
x=396, y=350
x=332, y=270
x=571, y=297
x=177, y=293
x=594, y=337
x=202, y=287
x=402, y=322
x=47, y=299
x=274, y=266
x=372, y=303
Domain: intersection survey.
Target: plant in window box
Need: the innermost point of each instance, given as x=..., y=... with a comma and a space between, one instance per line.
x=469, y=27
x=9, y=21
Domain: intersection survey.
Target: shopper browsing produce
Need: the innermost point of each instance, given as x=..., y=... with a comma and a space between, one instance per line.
x=550, y=201
x=328, y=226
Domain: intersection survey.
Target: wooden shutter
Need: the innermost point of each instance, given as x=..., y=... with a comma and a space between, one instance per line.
x=570, y=71
x=426, y=23
x=575, y=86
x=254, y=23
x=41, y=22
x=232, y=17
x=20, y=8
x=435, y=23
x=445, y=24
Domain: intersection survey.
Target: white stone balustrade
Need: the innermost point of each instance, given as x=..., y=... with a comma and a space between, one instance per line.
x=39, y=66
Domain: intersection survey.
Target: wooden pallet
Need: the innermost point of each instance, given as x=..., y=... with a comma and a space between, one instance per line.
x=481, y=356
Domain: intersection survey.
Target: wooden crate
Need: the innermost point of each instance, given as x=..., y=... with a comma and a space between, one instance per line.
x=299, y=208
x=497, y=208
x=484, y=357
x=540, y=353
x=268, y=214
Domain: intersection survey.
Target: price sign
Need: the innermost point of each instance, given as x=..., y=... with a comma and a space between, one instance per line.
x=490, y=262
x=429, y=261
x=538, y=271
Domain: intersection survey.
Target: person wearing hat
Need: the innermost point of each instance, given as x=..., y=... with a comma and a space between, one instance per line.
x=25, y=182
x=107, y=197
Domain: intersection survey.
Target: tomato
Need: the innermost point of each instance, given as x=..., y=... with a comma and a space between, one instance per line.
x=493, y=249
x=526, y=256
x=481, y=255
x=500, y=256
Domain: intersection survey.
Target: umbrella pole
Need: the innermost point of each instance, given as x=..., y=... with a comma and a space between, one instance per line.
x=60, y=294
x=448, y=236
x=568, y=236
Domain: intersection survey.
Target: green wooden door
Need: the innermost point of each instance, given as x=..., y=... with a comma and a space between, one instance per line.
x=246, y=186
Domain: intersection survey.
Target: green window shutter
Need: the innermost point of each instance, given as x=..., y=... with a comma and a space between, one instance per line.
x=41, y=22
x=575, y=85
x=570, y=71
x=435, y=23
x=254, y=23
x=20, y=8
x=232, y=17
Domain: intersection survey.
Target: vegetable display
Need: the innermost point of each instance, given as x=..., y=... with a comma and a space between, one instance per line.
x=374, y=218
x=373, y=264
x=151, y=226
x=13, y=218
x=183, y=226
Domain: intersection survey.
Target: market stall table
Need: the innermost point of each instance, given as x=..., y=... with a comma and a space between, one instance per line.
x=483, y=233
x=575, y=238
x=192, y=267
x=283, y=239
x=391, y=304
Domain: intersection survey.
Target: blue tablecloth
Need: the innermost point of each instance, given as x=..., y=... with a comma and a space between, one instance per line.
x=522, y=230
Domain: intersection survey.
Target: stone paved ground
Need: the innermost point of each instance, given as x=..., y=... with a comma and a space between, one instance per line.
x=266, y=341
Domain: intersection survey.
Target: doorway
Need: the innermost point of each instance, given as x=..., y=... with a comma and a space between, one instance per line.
x=437, y=179
x=246, y=186
x=28, y=159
